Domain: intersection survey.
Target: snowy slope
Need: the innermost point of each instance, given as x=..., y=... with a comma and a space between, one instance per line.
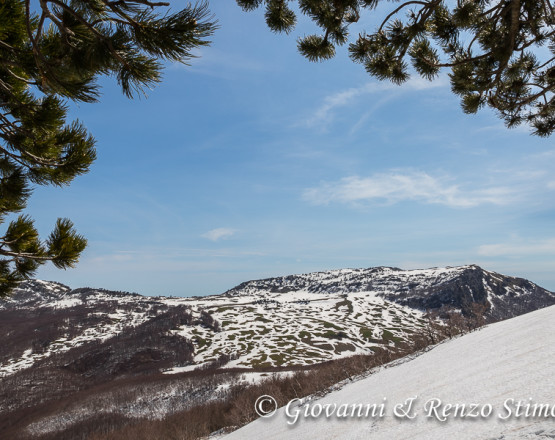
x=513, y=359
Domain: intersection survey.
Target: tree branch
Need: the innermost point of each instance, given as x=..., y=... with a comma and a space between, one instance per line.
x=425, y=4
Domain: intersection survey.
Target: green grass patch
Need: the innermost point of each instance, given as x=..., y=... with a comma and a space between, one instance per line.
x=346, y=303
x=330, y=325
x=201, y=342
x=279, y=358
x=313, y=354
x=388, y=336
x=330, y=334
x=366, y=333
x=340, y=347
x=255, y=363
x=262, y=319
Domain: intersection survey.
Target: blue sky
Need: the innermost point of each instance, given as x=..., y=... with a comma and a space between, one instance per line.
x=253, y=162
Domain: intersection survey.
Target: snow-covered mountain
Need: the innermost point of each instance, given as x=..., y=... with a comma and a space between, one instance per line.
x=502, y=374
x=291, y=320
x=504, y=296
x=85, y=339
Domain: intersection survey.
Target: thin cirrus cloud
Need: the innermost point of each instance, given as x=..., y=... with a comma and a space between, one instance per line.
x=518, y=249
x=325, y=112
x=223, y=64
x=395, y=187
x=218, y=234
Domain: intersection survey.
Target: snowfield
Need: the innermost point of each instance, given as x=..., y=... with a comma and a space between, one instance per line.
x=501, y=374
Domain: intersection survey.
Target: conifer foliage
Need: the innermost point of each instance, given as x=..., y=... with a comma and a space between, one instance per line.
x=501, y=53
x=53, y=51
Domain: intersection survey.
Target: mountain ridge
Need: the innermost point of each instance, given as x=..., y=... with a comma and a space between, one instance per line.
x=353, y=280
x=408, y=288
x=316, y=316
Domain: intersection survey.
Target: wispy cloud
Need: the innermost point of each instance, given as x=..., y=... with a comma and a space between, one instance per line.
x=167, y=256
x=220, y=63
x=542, y=247
x=500, y=127
x=218, y=234
x=398, y=186
x=325, y=112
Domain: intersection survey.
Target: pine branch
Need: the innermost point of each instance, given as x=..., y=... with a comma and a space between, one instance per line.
x=53, y=55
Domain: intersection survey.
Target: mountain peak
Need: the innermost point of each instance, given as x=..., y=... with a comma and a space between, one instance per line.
x=432, y=288
x=348, y=280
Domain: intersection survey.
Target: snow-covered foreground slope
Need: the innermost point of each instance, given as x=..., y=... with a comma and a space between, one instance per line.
x=497, y=367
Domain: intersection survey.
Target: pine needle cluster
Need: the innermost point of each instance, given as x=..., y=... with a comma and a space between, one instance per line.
x=54, y=51
x=500, y=53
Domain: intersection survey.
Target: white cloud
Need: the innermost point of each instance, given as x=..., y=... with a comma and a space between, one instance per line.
x=511, y=249
x=218, y=234
x=222, y=64
x=324, y=113
x=397, y=186
x=501, y=127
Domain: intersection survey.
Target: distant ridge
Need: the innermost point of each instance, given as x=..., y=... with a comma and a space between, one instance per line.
x=315, y=317
x=460, y=286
